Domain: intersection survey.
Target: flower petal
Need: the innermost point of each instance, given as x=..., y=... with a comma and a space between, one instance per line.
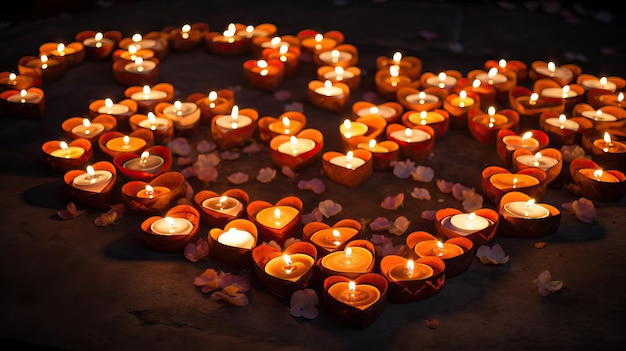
x=380, y=224
x=316, y=185
x=70, y=211
x=253, y=148
x=423, y=174
x=428, y=215
x=393, y=202
x=329, y=208
x=403, y=169
x=197, y=251
x=108, y=217
x=179, y=146
x=400, y=225
x=420, y=193
x=208, y=281
x=230, y=155
x=238, y=178
x=472, y=201
x=266, y=175
x=239, y=299
x=205, y=146
x=288, y=172
x=444, y=186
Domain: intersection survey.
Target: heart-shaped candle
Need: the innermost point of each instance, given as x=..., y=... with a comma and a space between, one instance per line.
x=368, y=126
x=497, y=181
x=186, y=38
x=147, y=96
x=329, y=239
x=351, y=169
x=145, y=165
x=522, y=217
x=216, y=102
x=358, y=257
x=114, y=143
x=456, y=253
x=62, y=156
x=234, y=243
x=596, y=183
x=95, y=186
x=99, y=45
x=412, y=279
x=78, y=127
x=276, y=222
x=530, y=105
x=172, y=231
x=415, y=143
x=219, y=209
x=155, y=197
x=297, y=151
x=549, y=160
x=234, y=129
x=289, y=123
x=480, y=226
x=507, y=141
x=389, y=110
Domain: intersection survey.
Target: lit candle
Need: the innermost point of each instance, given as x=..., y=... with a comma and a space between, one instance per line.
x=537, y=160
x=462, y=100
x=148, y=94
x=145, y=163
x=608, y=145
x=410, y=271
x=551, y=70
x=184, y=31
x=125, y=144
x=525, y=209
x=140, y=43
x=180, y=109
x=228, y=36
x=171, y=226
x=381, y=110
x=395, y=79
x=93, y=180
x=154, y=123
x=97, y=41
x=223, y=204
x=61, y=50
x=331, y=238
x=296, y=146
x=438, y=249
x=351, y=260
x=506, y=181
x=559, y=93
x=274, y=43
x=250, y=31
x=491, y=119
x=563, y=123
x=133, y=52
x=421, y=98
x=469, y=222
x=289, y=267
x=409, y=135
x=87, y=129
x=43, y=62
x=66, y=151
x=348, y=161
x=599, y=116
x=426, y=117
x=598, y=175
x=360, y=296
x=140, y=66
x=14, y=81
x=492, y=77
x=372, y=146
x=237, y=238
x=276, y=217
x=602, y=83
x=526, y=141
x=334, y=57
x=111, y=108
x=442, y=80
x=329, y=89
x=349, y=129
x=318, y=42
x=24, y=97
x=150, y=192
x=338, y=74
x=233, y=121
x=285, y=126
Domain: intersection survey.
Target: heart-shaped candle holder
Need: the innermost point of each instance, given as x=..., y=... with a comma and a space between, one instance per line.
x=458, y=106
x=218, y=102
x=485, y=127
x=350, y=76
x=357, y=258
x=64, y=160
x=457, y=253
x=306, y=149
x=186, y=123
x=497, y=181
x=32, y=66
x=422, y=283
x=98, y=107
x=564, y=131
x=127, y=76
x=277, y=222
x=234, y=244
x=611, y=153
x=186, y=38
x=112, y=142
x=228, y=138
x=611, y=83
x=309, y=43
x=162, y=128
x=324, y=57
x=219, y=43
x=19, y=82
x=329, y=239
x=522, y=218
x=549, y=160
x=334, y=98
x=389, y=110
x=410, y=66
x=502, y=82
x=603, y=118
x=160, y=45
x=219, y=209
x=339, y=169
x=438, y=119
x=74, y=127
x=596, y=183
x=30, y=106
x=416, y=147
x=507, y=141
x=427, y=99
x=289, y=123
x=74, y=53
x=155, y=197
x=99, y=48
x=99, y=194
x=530, y=106
x=518, y=67
x=288, y=55
x=384, y=153
x=375, y=125
x=264, y=74
x=130, y=164
x=481, y=229
x=174, y=236
x=262, y=42
x=571, y=94
x=563, y=74
x=161, y=92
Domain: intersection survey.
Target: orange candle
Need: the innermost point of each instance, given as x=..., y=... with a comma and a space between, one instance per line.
x=150, y=192
x=66, y=151
x=276, y=217
x=410, y=271
x=331, y=238
x=289, y=267
x=426, y=117
x=125, y=144
x=505, y=181
x=598, y=175
x=438, y=249
x=607, y=145
x=360, y=296
x=351, y=260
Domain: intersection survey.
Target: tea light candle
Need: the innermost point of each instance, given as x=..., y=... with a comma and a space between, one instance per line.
x=599, y=116
x=505, y=181
x=492, y=77
x=276, y=217
x=228, y=36
x=332, y=238
x=409, y=135
x=153, y=122
x=469, y=221
x=150, y=192
x=598, y=175
x=525, y=209
x=438, y=249
x=329, y=89
x=289, y=267
x=426, y=117
x=372, y=146
x=318, y=42
x=349, y=129
x=24, y=97
x=87, y=129
x=526, y=141
x=43, y=62
x=140, y=66
x=223, y=204
x=395, y=79
x=111, y=108
x=145, y=163
x=97, y=41
x=338, y=74
x=360, y=296
x=274, y=43
x=462, y=100
x=410, y=271
x=559, y=93
x=348, y=161
x=140, y=43
x=237, y=238
x=61, y=50
x=551, y=70
x=214, y=99
x=125, y=144
x=93, y=180
x=285, y=126
x=296, y=146
x=607, y=145
x=250, y=31
x=233, y=121
x=537, y=160
x=491, y=119
x=334, y=57
x=172, y=226
x=421, y=98
x=132, y=53
x=148, y=94
x=382, y=110
x=66, y=151
x=602, y=83
x=14, y=81
x=563, y=123
x=442, y=81
x=180, y=109
x=351, y=260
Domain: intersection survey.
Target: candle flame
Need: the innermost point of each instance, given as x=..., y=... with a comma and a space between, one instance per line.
x=136, y=37
x=151, y=117
x=492, y=72
x=275, y=41
x=262, y=63
x=212, y=95
x=349, y=155
x=149, y=189
x=607, y=138
x=293, y=140
x=491, y=110
x=339, y=70
x=144, y=156
x=90, y=171
x=374, y=110
x=351, y=286
x=551, y=67
x=462, y=94
x=63, y=145
x=476, y=83
x=410, y=266
x=348, y=252
x=222, y=200
x=372, y=143
x=336, y=234
x=394, y=71
x=530, y=202
x=99, y=36
x=185, y=28
x=277, y=213
x=440, y=244
x=442, y=76
x=533, y=98
x=146, y=89
x=12, y=76
x=397, y=57
x=43, y=58
x=108, y=103
x=328, y=84
x=287, y=260
x=286, y=121
x=598, y=173
x=319, y=37
x=502, y=63
x=603, y=80
x=126, y=139
x=562, y=118
x=234, y=112
x=620, y=97
x=515, y=180
x=526, y=136
x=170, y=221
x=230, y=31
x=61, y=48
x=283, y=49
x=408, y=133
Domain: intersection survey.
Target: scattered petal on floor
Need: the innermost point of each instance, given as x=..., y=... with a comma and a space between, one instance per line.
x=266, y=175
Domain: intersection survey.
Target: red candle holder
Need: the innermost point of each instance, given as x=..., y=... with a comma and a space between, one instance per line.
x=563, y=74
x=389, y=82
x=329, y=96
x=409, y=66
x=446, y=80
x=131, y=54
x=187, y=37
x=389, y=110
x=596, y=183
x=480, y=235
x=216, y=102
x=230, y=250
x=128, y=108
x=289, y=55
x=73, y=53
x=129, y=166
x=43, y=68
x=416, y=147
x=227, y=137
x=277, y=222
x=550, y=160
x=362, y=260
x=351, y=76
x=284, y=285
x=485, y=127
x=519, y=68
x=155, y=41
x=98, y=195
x=289, y=123
x=502, y=82
x=297, y=151
x=228, y=42
x=312, y=41
x=147, y=96
x=99, y=45
x=457, y=252
x=162, y=128
x=531, y=105
x=342, y=55
x=507, y=141
x=77, y=128
x=599, y=98
x=458, y=106
x=171, y=242
x=144, y=72
x=497, y=181
x=531, y=222
x=606, y=117
x=563, y=131
x=438, y=119
x=185, y=115
x=340, y=173
x=260, y=30
x=349, y=314
x=485, y=91
x=28, y=103
x=327, y=239
x=571, y=94
x=373, y=125
x=264, y=74
x=274, y=42
x=156, y=196
x=403, y=291
x=218, y=209
x=610, y=83
x=140, y=140
x=12, y=81
x=384, y=153
x=60, y=159
x=606, y=147
x=427, y=99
